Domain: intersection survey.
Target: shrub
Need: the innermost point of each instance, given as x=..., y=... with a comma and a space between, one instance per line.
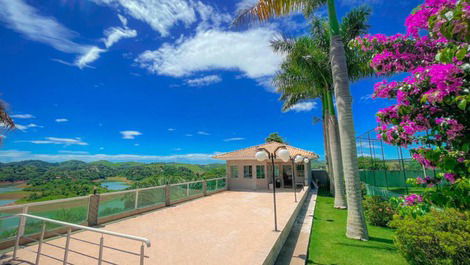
x=439, y=237
x=378, y=211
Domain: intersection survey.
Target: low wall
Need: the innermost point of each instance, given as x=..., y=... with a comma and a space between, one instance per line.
x=276, y=249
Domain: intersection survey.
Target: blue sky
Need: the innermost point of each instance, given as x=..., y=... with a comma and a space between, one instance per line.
x=155, y=80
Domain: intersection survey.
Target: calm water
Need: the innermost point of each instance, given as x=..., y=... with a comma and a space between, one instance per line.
x=115, y=185
x=9, y=188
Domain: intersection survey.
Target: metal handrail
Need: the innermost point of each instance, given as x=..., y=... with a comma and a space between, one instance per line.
x=67, y=249
x=97, y=230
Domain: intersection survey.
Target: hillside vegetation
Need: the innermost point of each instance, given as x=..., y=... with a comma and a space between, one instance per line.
x=48, y=181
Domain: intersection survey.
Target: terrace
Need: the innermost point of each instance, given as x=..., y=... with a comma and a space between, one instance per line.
x=204, y=223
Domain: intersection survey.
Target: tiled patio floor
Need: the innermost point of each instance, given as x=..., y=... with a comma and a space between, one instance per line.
x=231, y=227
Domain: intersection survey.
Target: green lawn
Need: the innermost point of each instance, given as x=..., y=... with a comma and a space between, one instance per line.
x=329, y=245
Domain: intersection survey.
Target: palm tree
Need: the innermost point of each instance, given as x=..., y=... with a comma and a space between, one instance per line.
x=306, y=74
x=5, y=120
x=266, y=9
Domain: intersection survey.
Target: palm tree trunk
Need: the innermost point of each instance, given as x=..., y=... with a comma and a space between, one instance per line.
x=326, y=141
x=356, y=225
x=336, y=157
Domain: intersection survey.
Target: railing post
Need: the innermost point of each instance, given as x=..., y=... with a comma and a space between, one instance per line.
x=20, y=231
x=167, y=195
x=93, y=207
x=67, y=245
x=187, y=190
x=136, y=199
x=43, y=231
x=100, y=257
x=142, y=255
x=204, y=187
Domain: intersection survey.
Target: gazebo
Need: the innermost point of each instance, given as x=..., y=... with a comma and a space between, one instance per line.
x=245, y=172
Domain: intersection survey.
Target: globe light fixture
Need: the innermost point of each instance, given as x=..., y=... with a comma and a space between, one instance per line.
x=306, y=160
x=283, y=154
x=261, y=156
x=298, y=159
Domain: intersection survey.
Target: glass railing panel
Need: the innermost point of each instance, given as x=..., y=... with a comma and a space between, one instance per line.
x=116, y=203
x=72, y=211
x=9, y=223
x=178, y=192
x=195, y=188
x=151, y=197
x=221, y=183
x=211, y=185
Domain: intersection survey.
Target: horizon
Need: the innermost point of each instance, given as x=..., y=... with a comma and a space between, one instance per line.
x=95, y=80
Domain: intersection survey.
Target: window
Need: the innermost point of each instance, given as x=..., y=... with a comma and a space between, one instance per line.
x=247, y=171
x=276, y=170
x=234, y=171
x=300, y=170
x=260, y=172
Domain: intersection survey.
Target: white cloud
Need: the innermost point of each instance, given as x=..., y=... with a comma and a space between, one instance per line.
x=161, y=15
x=17, y=155
x=130, y=134
x=171, y=129
x=114, y=34
x=248, y=51
x=56, y=140
x=26, y=20
x=188, y=134
x=61, y=120
x=234, y=139
x=204, y=81
x=303, y=106
x=203, y=133
x=244, y=4
x=24, y=127
x=22, y=116
x=91, y=55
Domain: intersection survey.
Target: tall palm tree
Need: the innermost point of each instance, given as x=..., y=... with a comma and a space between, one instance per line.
x=306, y=74
x=266, y=9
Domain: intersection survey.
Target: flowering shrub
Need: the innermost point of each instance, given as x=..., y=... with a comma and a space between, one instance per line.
x=378, y=211
x=433, y=102
x=411, y=205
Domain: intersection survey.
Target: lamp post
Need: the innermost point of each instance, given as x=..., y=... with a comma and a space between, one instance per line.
x=295, y=159
x=262, y=155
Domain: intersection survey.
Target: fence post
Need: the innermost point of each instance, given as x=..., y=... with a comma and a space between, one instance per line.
x=167, y=195
x=20, y=231
x=204, y=187
x=93, y=206
x=136, y=205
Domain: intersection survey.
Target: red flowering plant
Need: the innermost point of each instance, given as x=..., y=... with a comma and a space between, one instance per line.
x=433, y=102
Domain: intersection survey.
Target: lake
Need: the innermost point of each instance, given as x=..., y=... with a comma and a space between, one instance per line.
x=115, y=185
x=8, y=188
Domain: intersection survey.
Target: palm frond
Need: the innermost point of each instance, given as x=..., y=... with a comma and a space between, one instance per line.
x=5, y=119
x=354, y=23
x=267, y=9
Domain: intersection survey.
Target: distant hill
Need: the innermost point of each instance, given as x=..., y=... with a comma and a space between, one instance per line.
x=35, y=169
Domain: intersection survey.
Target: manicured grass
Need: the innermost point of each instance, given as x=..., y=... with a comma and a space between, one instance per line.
x=329, y=245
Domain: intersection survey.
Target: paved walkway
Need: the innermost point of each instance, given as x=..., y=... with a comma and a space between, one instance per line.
x=232, y=227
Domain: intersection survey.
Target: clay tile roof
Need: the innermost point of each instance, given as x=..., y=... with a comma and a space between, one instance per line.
x=249, y=152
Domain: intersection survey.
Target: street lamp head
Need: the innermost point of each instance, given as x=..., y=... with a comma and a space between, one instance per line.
x=298, y=159
x=283, y=154
x=261, y=155
x=306, y=160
